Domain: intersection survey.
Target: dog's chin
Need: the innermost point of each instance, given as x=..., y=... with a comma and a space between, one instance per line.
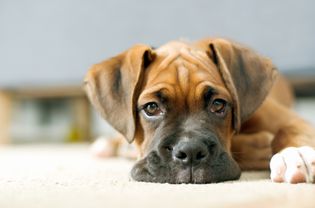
x=157, y=170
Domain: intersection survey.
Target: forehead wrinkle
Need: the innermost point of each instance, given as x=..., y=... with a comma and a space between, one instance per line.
x=165, y=88
x=157, y=87
x=168, y=60
x=183, y=77
x=155, y=76
x=200, y=87
x=198, y=58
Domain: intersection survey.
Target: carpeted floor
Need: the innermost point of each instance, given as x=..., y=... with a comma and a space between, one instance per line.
x=67, y=176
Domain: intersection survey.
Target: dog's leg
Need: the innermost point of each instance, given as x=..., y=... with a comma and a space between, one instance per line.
x=252, y=151
x=293, y=144
x=294, y=161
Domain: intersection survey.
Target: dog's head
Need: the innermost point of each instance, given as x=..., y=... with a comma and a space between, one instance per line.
x=181, y=104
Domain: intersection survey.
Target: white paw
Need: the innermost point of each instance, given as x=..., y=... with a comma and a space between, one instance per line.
x=103, y=147
x=293, y=165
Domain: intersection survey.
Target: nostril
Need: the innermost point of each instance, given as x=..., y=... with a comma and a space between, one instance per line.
x=190, y=153
x=169, y=148
x=212, y=146
x=200, y=155
x=181, y=155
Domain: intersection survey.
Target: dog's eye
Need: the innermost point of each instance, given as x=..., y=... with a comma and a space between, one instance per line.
x=152, y=109
x=218, y=107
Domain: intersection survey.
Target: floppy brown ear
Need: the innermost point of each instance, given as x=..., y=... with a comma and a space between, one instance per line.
x=246, y=74
x=112, y=87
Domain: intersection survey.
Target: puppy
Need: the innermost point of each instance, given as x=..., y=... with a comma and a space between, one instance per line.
x=200, y=112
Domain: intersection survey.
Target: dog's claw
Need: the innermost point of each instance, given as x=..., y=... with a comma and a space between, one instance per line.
x=293, y=165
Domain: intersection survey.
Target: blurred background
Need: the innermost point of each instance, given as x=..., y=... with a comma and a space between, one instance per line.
x=46, y=47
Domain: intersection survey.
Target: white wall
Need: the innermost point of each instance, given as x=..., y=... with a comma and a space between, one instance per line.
x=54, y=42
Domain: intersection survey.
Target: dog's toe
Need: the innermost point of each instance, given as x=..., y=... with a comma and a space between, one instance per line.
x=308, y=156
x=277, y=167
x=293, y=165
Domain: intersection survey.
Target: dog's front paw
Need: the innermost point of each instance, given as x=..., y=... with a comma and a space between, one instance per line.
x=293, y=165
x=104, y=147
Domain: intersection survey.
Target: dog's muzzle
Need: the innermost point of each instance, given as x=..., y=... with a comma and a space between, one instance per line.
x=187, y=161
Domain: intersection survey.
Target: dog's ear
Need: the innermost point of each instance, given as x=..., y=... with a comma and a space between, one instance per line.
x=247, y=75
x=113, y=87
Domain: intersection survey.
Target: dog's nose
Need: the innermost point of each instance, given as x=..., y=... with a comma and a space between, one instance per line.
x=190, y=152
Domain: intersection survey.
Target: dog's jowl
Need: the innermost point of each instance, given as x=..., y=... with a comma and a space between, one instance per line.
x=200, y=112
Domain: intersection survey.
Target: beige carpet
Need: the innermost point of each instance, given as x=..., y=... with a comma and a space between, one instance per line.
x=67, y=176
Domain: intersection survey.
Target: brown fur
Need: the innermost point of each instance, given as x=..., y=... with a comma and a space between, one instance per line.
x=261, y=123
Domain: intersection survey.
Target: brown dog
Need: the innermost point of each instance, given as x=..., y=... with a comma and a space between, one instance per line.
x=200, y=112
